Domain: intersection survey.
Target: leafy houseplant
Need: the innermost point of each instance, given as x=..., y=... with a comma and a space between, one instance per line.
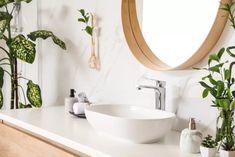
x=19, y=47
x=208, y=147
x=220, y=84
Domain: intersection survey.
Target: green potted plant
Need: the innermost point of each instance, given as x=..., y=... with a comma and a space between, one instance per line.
x=23, y=47
x=219, y=83
x=208, y=147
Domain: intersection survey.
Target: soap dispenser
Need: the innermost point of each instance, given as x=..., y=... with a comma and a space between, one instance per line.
x=69, y=101
x=191, y=138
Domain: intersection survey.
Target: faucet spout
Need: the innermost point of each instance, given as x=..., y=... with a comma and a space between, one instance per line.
x=159, y=90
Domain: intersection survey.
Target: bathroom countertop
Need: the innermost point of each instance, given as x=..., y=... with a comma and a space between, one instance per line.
x=56, y=125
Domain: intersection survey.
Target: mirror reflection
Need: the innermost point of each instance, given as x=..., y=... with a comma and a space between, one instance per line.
x=175, y=30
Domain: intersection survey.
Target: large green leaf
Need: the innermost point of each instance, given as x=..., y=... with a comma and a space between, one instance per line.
x=1, y=77
x=34, y=94
x=23, y=49
x=44, y=34
x=1, y=98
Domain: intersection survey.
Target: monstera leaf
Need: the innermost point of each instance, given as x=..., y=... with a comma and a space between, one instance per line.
x=22, y=106
x=46, y=34
x=23, y=49
x=34, y=94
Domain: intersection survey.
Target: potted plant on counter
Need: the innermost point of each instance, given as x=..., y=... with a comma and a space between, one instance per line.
x=219, y=83
x=208, y=147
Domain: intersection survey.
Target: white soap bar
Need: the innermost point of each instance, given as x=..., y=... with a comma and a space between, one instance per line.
x=190, y=141
x=79, y=108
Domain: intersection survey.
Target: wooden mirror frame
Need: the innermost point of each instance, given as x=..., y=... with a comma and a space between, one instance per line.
x=144, y=54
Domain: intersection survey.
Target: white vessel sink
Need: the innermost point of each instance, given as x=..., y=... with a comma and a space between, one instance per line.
x=130, y=123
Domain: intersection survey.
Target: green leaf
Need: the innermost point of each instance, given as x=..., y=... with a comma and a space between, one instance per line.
x=212, y=91
x=23, y=49
x=227, y=74
x=89, y=30
x=1, y=98
x=82, y=11
x=220, y=88
x=81, y=20
x=1, y=77
x=212, y=81
x=220, y=53
x=224, y=103
x=213, y=57
x=205, y=93
x=5, y=2
x=216, y=68
x=23, y=106
x=44, y=34
x=34, y=94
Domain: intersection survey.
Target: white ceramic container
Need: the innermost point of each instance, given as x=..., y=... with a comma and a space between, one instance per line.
x=208, y=152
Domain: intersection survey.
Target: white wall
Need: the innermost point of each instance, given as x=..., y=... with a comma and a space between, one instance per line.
x=115, y=82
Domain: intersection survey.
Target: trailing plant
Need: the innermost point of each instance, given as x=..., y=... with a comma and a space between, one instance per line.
x=21, y=47
x=219, y=84
x=208, y=142
x=85, y=18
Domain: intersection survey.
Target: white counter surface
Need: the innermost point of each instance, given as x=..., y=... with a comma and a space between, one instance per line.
x=54, y=124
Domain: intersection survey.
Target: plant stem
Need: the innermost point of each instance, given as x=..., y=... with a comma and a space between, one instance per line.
x=16, y=85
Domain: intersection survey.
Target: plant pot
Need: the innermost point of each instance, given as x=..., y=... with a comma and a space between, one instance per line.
x=208, y=152
x=224, y=153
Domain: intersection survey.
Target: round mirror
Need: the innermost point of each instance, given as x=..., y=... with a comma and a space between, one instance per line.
x=165, y=35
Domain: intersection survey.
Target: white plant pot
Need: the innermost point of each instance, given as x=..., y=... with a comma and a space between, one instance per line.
x=208, y=152
x=224, y=153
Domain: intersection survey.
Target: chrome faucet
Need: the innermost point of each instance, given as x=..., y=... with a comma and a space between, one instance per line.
x=160, y=93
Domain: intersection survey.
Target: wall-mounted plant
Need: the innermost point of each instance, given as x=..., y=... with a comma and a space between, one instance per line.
x=21, y=47
x=219, y=83
x=88, y=20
